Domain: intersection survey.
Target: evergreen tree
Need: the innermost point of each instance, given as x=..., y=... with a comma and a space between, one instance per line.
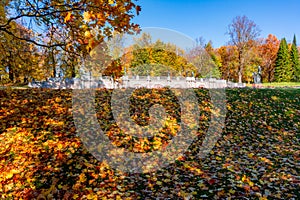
x=283, y=67
x=295, y=60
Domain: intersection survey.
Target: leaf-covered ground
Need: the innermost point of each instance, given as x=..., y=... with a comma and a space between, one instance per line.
x=257, y=156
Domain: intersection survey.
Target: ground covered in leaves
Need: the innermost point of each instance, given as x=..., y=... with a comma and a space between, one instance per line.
x=257, y=156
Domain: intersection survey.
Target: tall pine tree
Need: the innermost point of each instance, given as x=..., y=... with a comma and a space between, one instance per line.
x=295, y=62
x=283, y=67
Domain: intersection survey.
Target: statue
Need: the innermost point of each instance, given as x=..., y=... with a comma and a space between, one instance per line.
x=258, y=79
x=257, y=76
x=148, y=76
x=169, y=78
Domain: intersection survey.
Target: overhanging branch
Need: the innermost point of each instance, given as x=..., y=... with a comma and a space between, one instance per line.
x=32, y=41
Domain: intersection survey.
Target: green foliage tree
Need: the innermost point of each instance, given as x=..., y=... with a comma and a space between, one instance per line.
x=295, y=62
x=283, y=67
x=216, y=71
x=156, y=58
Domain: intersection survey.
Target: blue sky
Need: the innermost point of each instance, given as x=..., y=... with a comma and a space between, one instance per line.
x=210, y=18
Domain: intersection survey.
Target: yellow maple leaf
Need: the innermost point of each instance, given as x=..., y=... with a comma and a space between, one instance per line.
x=58, y=99
x=9, y=175
x=157, y=143
x=111, y=1
x=263, y=198
x=231, y=191
x=87, y=34
x=250, y=155
x=118, y=197
x=159, y=183
x=91, y=196
x=274, y=98
x=59, y=146
x=251, y=184
x=244, y=179
x=86, y=16
x=218, y=158
x=82, y=178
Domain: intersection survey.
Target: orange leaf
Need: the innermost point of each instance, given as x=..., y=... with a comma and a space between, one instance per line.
x=68, y=17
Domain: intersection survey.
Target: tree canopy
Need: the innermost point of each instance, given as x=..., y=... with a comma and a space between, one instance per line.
x=64, y=28
x=241, y=32
x=283, y=68
x=295, y=62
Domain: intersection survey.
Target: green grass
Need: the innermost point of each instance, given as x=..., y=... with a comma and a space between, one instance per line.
x=282, y=84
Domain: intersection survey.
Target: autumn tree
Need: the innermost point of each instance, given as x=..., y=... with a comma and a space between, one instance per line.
x=141, y=50
x=202, y=63
x=3, y=74
x=241, y=31
x=283, y=67
x=215, y=58
x=169, y=58
x=156, y=58
x=75, y=27
x=127, y=57
x=115, y=47
x=18, y=57
x=252, y=60
x=295, y=62
x=268, y=52
x=72, y=21
x=229, y=62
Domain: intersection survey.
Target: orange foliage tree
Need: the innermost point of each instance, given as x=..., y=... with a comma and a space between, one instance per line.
x=229, y=59
x=73, y=28
x=268, y=52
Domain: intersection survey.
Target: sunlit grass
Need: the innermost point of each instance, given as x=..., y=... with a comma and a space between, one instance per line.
x=282, y=84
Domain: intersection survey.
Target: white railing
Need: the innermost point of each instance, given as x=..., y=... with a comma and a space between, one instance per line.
x=134, y=82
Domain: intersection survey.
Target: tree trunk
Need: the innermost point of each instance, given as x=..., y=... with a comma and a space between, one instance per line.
x=53, y=64
x=25, y=80
x=73, y=74
x=10, y=74
x=240, y=76
x=53, y=71
x=240, y=66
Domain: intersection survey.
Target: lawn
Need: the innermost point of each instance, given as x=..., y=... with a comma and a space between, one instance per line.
x=257, y=156
x=282, y=84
